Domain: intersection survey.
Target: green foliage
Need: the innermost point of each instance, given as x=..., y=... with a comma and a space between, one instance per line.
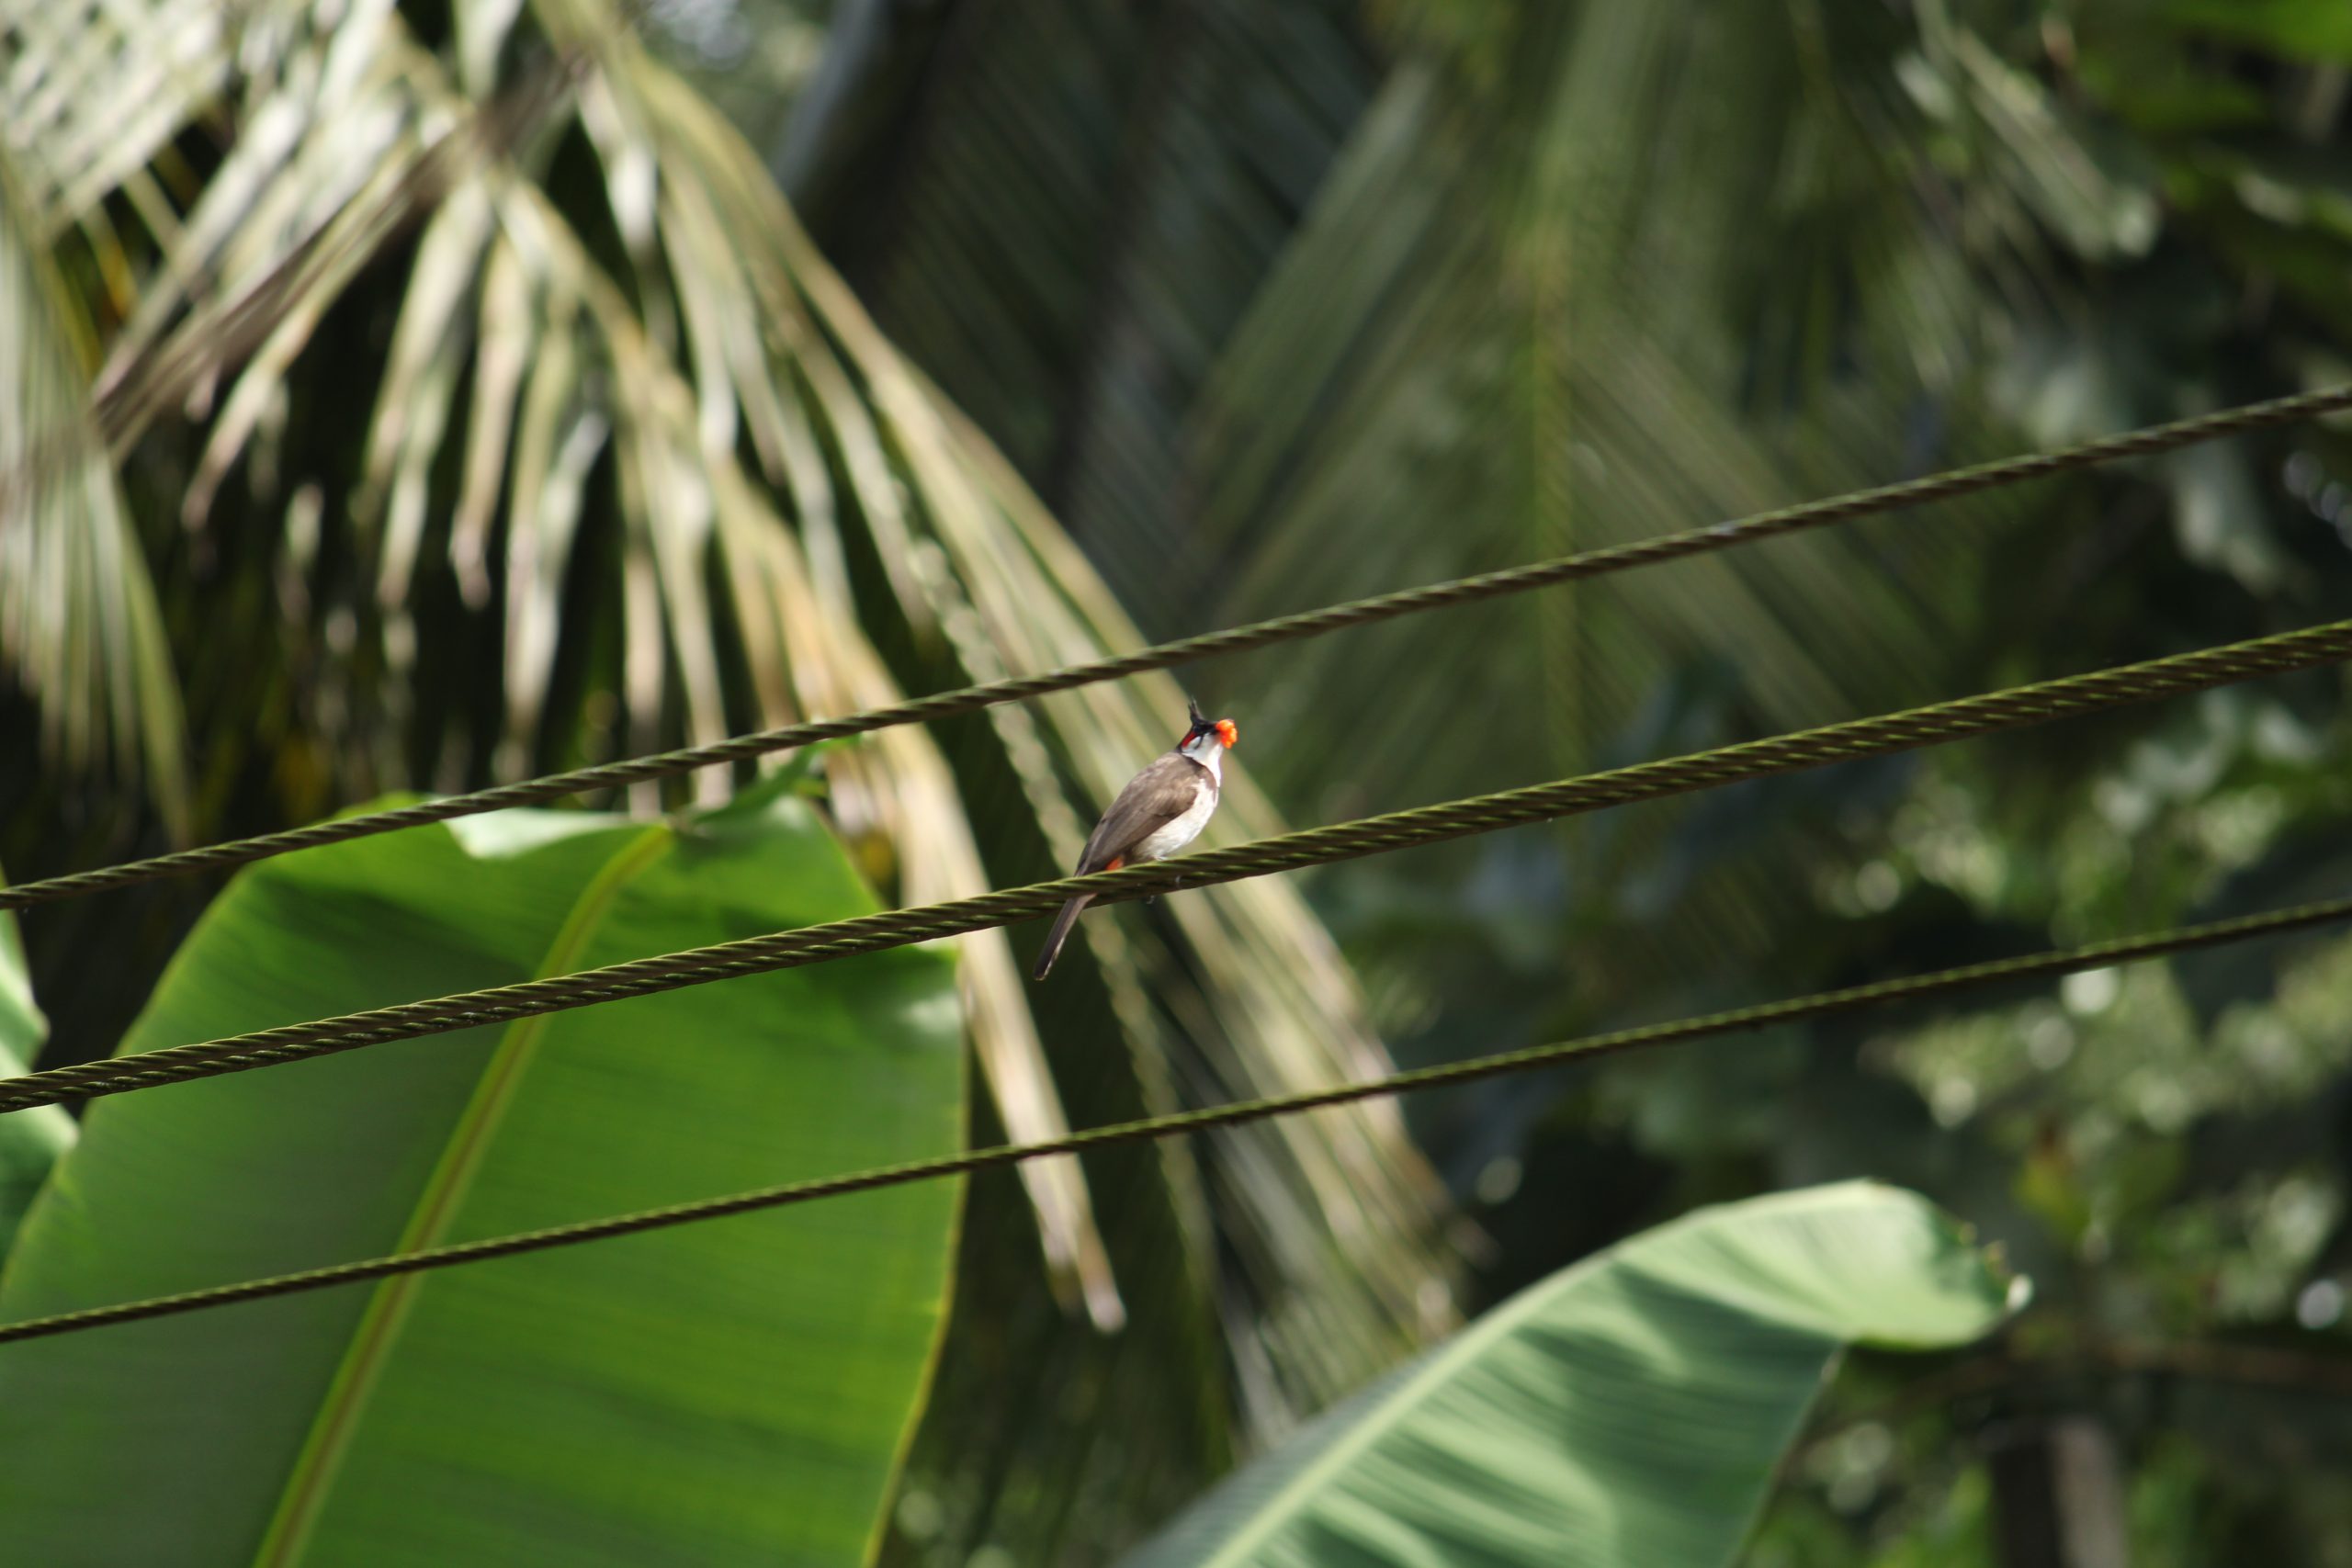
x=30, y=1144
x=2278, y=26
x=475, y=429
x=710, y=1394
x=1630, y=1409
x=1436, y=285
x=1275, y=301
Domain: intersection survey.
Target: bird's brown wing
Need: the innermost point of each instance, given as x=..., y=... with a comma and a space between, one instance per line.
x=1162, y=791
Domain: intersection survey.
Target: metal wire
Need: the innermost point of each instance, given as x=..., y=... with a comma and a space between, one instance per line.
x=1879, y=736
x=2093, y=956
x=1260, y=634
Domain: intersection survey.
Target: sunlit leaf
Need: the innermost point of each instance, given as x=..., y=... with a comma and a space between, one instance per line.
x=1629, y=1409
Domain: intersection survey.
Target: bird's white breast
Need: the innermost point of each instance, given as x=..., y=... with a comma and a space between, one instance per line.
x=1177, y=831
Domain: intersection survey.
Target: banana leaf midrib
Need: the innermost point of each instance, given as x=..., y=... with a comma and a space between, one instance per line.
x=377, y=1333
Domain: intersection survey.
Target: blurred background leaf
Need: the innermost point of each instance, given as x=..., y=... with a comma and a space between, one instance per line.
x=28, y=1144
x=80, y=635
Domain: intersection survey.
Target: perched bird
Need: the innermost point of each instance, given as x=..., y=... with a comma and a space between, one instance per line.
x=1163, y=808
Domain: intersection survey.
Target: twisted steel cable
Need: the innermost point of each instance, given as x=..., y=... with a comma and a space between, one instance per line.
x=1879, y=736
x=1237, y=639
x=2093, y=956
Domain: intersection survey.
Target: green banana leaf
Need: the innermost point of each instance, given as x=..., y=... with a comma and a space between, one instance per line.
x=30, y=1141
x=1628, y=1411
x=731, y=1392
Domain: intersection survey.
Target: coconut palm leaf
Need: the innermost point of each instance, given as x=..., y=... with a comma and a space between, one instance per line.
x=79, y=629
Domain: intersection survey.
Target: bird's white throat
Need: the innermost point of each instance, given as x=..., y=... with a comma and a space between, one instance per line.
x=1209, y=752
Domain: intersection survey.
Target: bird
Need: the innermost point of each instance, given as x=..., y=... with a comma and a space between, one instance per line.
x=1163, y=808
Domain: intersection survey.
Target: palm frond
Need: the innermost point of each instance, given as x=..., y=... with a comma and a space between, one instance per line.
x=1036, y=605
x=79, y=629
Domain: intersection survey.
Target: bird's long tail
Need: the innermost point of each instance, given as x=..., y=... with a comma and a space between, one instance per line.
x=1060, y=934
